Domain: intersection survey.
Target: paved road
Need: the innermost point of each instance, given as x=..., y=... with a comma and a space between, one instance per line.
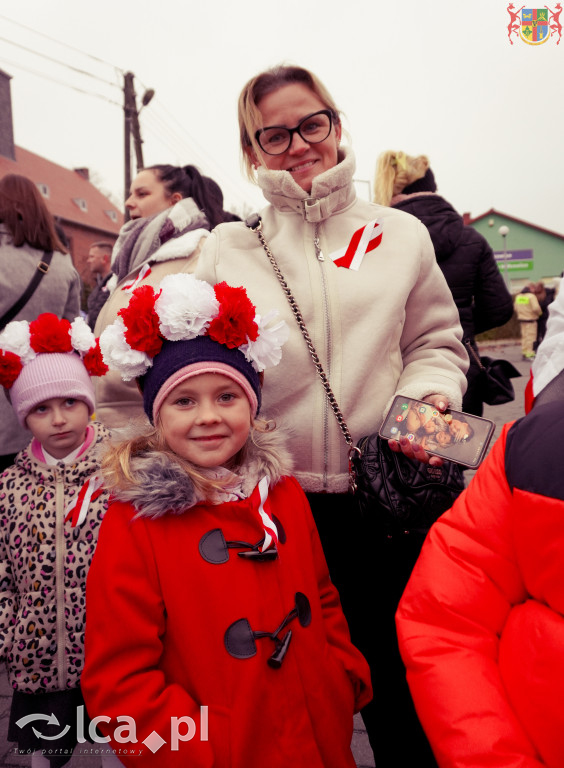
x=361, y=748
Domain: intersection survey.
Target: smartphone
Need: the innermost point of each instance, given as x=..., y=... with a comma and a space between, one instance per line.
x=452, y=435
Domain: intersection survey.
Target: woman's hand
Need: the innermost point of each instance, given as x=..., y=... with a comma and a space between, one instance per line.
x=414, y=450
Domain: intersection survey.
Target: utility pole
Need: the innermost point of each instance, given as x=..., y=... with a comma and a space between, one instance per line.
x=131, y=128
x=127, y=114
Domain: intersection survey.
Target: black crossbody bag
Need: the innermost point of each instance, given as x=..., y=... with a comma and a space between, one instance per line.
x=42, y=269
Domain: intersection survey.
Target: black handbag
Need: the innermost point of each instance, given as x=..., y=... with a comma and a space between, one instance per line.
x=411, y=495
x=494, y=381
x=407, y=494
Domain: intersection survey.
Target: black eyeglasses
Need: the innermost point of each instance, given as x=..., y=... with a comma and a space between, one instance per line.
x=313, y=129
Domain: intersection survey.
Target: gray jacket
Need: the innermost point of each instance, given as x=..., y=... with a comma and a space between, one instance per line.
x=58, y=292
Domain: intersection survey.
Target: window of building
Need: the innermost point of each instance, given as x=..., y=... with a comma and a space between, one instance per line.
x=112, y=215
x=81, y=202
x=44, y=189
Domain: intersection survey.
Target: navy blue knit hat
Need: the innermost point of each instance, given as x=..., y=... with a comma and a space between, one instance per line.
x=180, y=360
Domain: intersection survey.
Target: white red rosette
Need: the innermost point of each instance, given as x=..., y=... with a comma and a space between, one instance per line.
x=22, y=341
x=182, y=309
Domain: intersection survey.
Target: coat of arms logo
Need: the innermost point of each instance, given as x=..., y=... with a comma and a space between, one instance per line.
x=534, y=26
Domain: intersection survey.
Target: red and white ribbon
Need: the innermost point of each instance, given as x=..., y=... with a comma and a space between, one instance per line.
x=259, y=498
x=77, y=508
x=363, y=241
x=132, y=285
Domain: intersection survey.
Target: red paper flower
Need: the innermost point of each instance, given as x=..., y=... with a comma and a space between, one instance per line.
x=49, y=334
x=235, y=323
x=94, y=362
x=142, y=322
x=10, y=368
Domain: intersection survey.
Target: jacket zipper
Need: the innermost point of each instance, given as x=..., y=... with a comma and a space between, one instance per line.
x=325, y=303
x=60, y=577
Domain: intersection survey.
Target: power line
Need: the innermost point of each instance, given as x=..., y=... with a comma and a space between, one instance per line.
x=59, y=82
x=65, y=45
x=60, y=63
x=208, y=160
x=190, y=146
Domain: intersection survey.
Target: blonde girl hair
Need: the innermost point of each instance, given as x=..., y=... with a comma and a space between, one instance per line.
x=250, y=118
x=394, y=172
x=117, y=463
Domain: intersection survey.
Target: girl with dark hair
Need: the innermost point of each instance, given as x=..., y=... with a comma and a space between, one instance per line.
x=172, y=211
x=159, y=185
x=27, y=231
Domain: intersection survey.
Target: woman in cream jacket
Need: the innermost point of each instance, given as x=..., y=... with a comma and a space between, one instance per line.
x=382, y=320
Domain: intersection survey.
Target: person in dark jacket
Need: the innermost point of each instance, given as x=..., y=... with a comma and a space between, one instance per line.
x=464, y=255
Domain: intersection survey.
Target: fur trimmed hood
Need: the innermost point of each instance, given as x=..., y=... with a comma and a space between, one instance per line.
x=163, y=487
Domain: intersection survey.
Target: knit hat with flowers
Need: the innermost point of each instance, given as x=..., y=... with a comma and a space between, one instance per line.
x=187, y=328
x=48, y=358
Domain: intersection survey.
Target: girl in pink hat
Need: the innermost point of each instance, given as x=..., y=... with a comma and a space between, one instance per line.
x=51, y=506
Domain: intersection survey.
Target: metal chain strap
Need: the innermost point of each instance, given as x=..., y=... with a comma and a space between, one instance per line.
x=254, y=222
x=474, y=354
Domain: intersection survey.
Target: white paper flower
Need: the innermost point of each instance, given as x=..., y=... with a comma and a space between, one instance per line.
x=266, y=351
x=15, y=338
x=185, y=307
x=82, y=337
x=119, y=356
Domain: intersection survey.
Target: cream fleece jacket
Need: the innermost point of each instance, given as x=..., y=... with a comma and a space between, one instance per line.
x=390, y=327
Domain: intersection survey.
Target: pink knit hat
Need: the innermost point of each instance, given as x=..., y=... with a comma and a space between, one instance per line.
x=59, y=374
x=48, y=357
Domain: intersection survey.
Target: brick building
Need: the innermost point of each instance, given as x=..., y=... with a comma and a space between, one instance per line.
x=83, y=212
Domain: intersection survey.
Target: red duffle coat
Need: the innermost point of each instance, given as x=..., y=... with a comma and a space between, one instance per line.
x=156, y=644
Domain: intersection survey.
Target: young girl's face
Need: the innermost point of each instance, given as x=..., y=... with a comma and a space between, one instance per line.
x=206, y=419
x=59, y=424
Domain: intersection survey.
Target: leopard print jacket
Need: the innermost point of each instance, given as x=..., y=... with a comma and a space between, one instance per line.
x=44, y=563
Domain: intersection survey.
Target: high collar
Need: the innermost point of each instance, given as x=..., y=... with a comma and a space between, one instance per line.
x=331, y=191
x=75, y=472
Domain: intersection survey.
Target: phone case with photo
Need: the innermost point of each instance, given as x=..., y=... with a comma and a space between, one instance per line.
x=452, y=435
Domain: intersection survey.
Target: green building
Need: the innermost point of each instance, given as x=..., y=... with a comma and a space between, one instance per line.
x=524, y=252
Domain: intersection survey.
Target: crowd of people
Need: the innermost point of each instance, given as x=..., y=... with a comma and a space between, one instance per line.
x=181, y=558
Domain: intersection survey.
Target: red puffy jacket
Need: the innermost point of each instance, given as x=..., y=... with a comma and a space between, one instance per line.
x=481, y=622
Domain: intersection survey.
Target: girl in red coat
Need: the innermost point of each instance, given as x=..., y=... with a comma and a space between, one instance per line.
x=214, y=635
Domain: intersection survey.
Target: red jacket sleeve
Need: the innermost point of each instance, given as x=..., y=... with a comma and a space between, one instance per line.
x=449, y=622
x=336, y=627
x=125, y=623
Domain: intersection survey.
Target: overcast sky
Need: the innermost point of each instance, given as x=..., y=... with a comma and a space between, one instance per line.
x=437, y=78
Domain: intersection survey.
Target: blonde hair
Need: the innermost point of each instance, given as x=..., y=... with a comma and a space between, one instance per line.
x=394, y=172
x=117, y=463
x=250, y=118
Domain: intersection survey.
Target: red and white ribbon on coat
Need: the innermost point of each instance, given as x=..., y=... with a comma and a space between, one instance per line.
x=363, y=241
x=259, y=498
x=77, y=508
x=132, y=285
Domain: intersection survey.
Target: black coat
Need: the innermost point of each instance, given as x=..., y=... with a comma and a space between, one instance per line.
x=470, y=269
